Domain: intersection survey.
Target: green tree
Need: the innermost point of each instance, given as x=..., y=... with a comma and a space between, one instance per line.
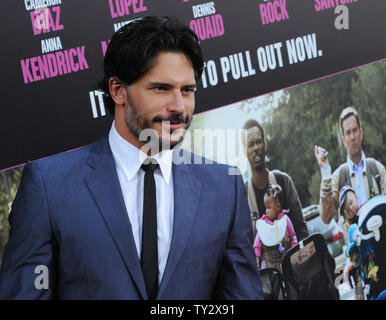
x=369, y=96
x=9, y=182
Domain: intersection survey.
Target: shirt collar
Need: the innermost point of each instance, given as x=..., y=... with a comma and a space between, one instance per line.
x=353, y=167
x=278, y=217
x=129, y=158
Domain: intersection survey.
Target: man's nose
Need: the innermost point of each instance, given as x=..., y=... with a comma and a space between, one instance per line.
x=177, y=104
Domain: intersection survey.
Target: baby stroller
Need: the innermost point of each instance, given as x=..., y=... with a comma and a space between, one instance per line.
x=368, y=246
x=273, y=284
x=308, y=270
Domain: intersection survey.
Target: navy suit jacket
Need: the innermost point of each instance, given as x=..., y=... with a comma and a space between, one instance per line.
x=69, y=215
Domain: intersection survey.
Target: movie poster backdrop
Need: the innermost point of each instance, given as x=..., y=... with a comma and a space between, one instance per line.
x=52, y=57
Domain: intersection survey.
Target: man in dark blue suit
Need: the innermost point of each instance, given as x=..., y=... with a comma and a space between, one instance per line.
x=102, y=223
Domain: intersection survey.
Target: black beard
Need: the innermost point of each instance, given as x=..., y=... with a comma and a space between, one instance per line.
x=136, y=123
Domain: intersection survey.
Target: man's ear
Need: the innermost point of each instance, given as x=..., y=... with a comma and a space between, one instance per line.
x=343, y=140
x=117, y=91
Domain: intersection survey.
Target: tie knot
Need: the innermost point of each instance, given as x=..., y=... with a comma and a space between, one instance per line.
x=150, y=165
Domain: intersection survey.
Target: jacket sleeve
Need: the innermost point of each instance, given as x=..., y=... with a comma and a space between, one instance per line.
x=295, y=209
x=28, y=255
x=329, y=194
x=238, y=276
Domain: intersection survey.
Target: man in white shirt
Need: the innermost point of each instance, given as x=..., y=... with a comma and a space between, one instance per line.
x=122, y=218
x=365, y=175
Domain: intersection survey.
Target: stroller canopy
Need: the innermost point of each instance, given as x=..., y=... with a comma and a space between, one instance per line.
x=375, y=205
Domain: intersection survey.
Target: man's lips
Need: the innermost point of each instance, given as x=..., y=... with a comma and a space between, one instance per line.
x=172, y=125
x=176, y=125
x=258, y=158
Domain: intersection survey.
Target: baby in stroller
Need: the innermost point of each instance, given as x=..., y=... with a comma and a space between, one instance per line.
x=366, y=239
x=275, y=232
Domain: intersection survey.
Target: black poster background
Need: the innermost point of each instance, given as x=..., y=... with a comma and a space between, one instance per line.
x=55, y=115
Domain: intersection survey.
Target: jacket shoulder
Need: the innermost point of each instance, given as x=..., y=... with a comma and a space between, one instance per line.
x=377, y=163
x=199, y=163
x=65, y=161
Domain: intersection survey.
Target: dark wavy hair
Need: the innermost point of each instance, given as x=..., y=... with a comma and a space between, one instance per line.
x=133, y=47
x=276, y=192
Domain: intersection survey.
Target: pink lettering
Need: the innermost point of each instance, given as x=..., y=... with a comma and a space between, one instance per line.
x=263, y=13
x=43, y=21
x=112, y=11
x=58, y=26
x=327, y=4
x=74, y=67
x=34, y=69
x=51, y=60
x=54, y=64
x=270, y=12
x=81, y=58
x=104, y=46
x=120, y=8
x=43, y=67
x=66, y=55
x=141, y=7
x=273, y=11
x=219, y=24
x=35, y=23
x=61, y=63
x=317, y=5
x=51, y=24
x=277, y=14
x=208, y=27
x=25, y=69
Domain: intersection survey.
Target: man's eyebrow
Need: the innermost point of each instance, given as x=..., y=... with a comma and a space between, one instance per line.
x=193, y=85
x=168, y=85
x=160, y=84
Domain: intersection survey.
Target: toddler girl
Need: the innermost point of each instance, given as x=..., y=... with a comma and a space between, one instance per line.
x=275, y=233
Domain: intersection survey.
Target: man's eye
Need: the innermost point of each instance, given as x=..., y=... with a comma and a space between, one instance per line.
x=188, y=90
x=159, y=87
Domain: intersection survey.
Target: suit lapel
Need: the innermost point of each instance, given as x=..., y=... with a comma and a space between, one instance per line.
x=103, y=184
x=186, y=198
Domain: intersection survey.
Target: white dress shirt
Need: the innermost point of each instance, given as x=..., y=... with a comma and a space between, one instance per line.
x=360, y=174
x=128, y=161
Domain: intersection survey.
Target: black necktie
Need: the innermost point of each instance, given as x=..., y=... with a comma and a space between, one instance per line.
x=149, y=253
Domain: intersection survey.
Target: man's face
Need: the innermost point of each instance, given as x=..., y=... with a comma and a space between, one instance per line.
x=350, y=206
x=255, y=149
x=352, y=136
x=163, y=99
